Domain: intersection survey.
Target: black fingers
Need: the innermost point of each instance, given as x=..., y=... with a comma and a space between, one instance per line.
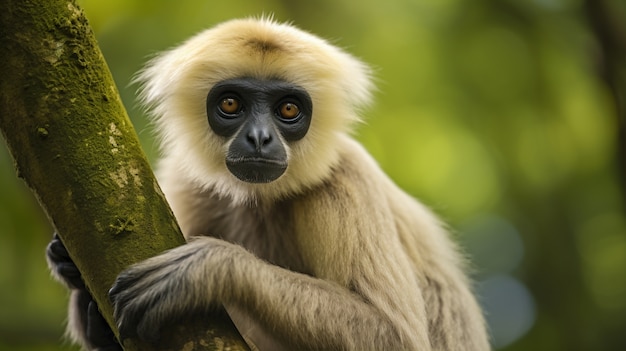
x=149, y=295
x=62, y=265
x=99, y=334
x=127, y=315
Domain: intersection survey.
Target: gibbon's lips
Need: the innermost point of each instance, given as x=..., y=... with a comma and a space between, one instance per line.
x=256, y=169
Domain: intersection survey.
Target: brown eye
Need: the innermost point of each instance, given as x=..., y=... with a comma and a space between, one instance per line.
x=289, y=110
x=229, y=106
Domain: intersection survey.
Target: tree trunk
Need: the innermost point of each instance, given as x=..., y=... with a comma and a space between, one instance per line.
x=76, y=148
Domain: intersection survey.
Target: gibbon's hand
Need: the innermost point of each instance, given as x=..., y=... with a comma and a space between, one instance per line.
x=98, y=334
x=62, y=265
x=156, y=291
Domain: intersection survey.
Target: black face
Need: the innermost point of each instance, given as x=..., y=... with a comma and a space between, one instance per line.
x=257, y=113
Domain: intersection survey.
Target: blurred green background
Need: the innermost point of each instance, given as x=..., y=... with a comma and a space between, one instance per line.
x=499, y=114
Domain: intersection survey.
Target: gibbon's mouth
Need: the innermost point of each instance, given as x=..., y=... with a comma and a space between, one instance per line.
x=256, y=169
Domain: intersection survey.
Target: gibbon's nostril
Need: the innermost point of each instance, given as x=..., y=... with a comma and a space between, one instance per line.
x=259, y=137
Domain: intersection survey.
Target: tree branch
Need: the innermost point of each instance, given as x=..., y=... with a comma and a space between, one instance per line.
x=75, y=147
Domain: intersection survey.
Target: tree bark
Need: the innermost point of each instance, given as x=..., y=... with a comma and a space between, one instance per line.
x=76, y=148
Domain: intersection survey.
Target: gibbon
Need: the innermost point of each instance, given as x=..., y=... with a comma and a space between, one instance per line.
x=291, y=224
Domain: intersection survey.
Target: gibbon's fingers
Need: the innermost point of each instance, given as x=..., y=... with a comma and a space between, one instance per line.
x=62, y=266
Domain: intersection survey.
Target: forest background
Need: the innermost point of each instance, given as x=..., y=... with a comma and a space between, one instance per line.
x=502, y=115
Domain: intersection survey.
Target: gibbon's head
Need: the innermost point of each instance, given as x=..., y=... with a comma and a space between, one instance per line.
x=254, y=109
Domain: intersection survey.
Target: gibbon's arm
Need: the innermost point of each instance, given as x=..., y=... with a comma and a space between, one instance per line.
x=301, y=311
x=363, y=296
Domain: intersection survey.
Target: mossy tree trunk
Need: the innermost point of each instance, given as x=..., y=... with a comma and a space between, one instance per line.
x=75, y=147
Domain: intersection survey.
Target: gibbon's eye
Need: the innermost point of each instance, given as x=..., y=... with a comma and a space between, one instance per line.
x=229, y=106
x=288, y=111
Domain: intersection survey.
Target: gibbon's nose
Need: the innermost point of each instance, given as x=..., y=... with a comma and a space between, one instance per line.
x=259, y=137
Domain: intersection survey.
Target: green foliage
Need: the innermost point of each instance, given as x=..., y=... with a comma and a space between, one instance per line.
x=492, y=112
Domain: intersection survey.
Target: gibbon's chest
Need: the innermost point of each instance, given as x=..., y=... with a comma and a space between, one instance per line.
x=267, y=233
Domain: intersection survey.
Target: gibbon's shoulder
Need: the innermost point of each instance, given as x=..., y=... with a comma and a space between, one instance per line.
x=356, y=167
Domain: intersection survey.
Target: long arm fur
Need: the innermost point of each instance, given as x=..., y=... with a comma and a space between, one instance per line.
x=327, y=315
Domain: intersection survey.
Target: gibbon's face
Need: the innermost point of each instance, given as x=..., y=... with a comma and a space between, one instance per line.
x=253, y=109
x=259, y=117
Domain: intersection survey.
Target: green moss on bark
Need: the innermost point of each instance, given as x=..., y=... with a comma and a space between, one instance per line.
x=75, y=146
